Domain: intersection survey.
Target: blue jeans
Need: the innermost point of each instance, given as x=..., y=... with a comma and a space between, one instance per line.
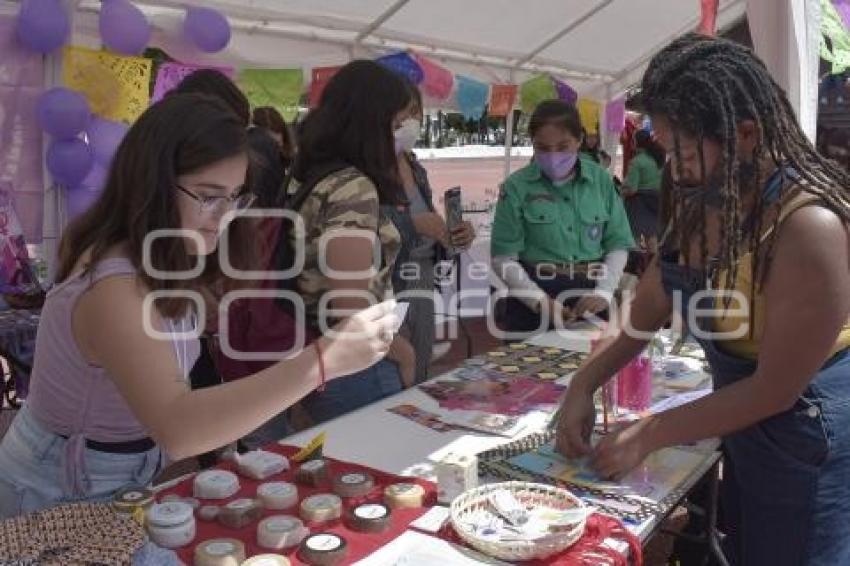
x=786, y=481
x=345, y=394
x=32, y=469
x=271, y=431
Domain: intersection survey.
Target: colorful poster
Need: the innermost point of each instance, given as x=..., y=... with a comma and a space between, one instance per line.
x=534, y=91
x=278, y=88
x=502, y=98
x=588, y=111
x=654, y=479
x=422, y=417
x=320, y=77
x=170, y=74
x=21, y=164
x=501, y=396
x=117, y=87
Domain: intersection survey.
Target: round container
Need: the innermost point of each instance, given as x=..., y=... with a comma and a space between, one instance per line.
x=220, y=552
x=280, y=531
x=321, y=507
x=267, y=560
x=172, y=524
x=404, y=496
x=215, y=484
x=323, y=549
x=370, y=518
x=133, y=501
x=312, y=473
x=278, y=495
x=353, y=484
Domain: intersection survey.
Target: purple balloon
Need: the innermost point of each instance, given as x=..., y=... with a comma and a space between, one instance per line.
x=208, y=29
x=63, y=113
x=79, y=201
x=94, y=181
x=123, y=27
x=69, y=161
x=43, y=25
x=105, y=137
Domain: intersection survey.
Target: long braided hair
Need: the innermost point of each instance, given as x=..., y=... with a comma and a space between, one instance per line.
x=705, y=86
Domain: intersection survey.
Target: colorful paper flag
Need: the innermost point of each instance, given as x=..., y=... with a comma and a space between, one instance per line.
x=502, y=98
x=588, y=111
x=471, y=97
x=843, y=9
x=565, y=91
x=437, y=81
x=403, y=64
x=534, y=91
x=708, y=17
x=320, y=77
x=834, y=28
x=117, y=87
x=170, y=74
x=278, y=88
x=615, y=115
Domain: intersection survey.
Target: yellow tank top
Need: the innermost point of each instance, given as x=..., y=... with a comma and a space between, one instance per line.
x=748, y=345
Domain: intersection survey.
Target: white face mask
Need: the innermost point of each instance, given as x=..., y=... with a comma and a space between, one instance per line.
x=407, y=134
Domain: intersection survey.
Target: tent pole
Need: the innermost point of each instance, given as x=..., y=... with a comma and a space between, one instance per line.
x=509, y=132
x=379, y=21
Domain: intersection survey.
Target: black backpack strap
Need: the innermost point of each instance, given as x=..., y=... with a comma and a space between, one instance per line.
x=283, y=252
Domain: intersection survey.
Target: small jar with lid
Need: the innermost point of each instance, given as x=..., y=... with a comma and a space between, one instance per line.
x=172, y=524
x=133, y=501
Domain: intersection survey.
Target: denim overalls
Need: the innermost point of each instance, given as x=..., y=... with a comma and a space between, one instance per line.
x=786, y=481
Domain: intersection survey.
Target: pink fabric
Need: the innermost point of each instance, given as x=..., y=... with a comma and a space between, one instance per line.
x=73, y=398
x=21, y=83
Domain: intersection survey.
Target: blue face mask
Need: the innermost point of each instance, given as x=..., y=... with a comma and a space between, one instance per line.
x=556, y=165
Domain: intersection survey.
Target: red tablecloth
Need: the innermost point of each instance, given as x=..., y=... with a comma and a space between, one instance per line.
x=589, y=551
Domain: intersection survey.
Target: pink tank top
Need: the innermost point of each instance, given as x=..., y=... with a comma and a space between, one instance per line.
x=74, y=398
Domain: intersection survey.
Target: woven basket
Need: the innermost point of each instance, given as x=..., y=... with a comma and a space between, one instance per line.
x=530, y=495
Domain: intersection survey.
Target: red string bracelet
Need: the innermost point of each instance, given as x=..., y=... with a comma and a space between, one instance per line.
x=322, y=376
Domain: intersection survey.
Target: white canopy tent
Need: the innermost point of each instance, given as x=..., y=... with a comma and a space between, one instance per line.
x=599, y=47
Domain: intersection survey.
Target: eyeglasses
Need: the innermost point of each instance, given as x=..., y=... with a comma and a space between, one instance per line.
x=210, y=205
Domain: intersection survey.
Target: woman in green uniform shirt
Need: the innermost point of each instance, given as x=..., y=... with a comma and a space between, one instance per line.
x=641, y=189
x=559, y=226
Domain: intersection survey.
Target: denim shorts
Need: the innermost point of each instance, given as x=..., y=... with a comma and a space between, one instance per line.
x=32, y=473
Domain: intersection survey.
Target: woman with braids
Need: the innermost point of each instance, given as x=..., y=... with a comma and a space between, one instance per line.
x=756, y=211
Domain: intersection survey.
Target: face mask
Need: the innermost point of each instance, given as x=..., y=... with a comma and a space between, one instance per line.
x=406, y=135
x=556, y=165
x=714, y=184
